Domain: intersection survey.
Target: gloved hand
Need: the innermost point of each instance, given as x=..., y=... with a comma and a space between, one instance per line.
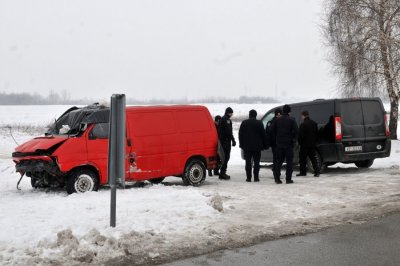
x=233, y=143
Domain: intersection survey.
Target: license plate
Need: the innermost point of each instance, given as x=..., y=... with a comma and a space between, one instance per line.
x=353, y=148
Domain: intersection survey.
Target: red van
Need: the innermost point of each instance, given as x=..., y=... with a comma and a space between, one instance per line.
x=160, y=141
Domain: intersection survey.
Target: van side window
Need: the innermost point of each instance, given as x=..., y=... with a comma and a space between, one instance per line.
x=320, y=113
x=372, y=112
x=100, y=131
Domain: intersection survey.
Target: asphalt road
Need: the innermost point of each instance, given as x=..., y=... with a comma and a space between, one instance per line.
x=374, y=243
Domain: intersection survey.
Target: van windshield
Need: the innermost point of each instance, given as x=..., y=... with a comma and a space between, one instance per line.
x=69, y=122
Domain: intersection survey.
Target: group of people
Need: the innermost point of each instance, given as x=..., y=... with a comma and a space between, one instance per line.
x=280, y=134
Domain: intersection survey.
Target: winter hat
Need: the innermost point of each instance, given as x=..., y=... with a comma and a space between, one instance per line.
x=278, y=111
x=228, y=111
x=286, y=109
x=217, y=118
x=253, y=113
x=305, y=113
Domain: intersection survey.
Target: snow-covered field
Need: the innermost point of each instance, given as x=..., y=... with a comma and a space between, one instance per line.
x=158, y=223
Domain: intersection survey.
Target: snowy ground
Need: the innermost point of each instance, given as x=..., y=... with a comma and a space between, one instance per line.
x=158, y=223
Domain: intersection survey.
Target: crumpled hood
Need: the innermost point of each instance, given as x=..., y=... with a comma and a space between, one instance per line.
x=39, y=144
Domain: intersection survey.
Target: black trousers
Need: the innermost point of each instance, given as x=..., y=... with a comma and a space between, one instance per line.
x=303, y=154
x=274, y=158
x=252, y=156
x=284, y=153
x=227, y=152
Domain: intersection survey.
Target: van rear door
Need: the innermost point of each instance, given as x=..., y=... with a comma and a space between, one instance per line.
x=374, y=125
x=353, y=129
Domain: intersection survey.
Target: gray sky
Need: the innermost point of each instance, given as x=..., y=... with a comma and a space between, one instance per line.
x=164, y=49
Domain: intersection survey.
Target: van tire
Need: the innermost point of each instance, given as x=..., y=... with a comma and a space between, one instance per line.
x=321, y=164
x=364, y=164
x=82, y=180
x=156, y=180
x=195, y=173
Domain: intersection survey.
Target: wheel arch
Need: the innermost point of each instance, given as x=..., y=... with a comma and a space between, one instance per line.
x=88, y=167
x=196, y=157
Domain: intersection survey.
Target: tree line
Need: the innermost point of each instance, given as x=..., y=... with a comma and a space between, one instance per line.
x=63, y=98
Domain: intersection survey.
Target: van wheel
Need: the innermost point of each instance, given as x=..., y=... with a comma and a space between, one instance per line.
x=195, y=173
x=157, y=180
x=364, y=164
x=321, y=164
x=81, y=181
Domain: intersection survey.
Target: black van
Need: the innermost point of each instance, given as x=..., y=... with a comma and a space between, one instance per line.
x=351, y=130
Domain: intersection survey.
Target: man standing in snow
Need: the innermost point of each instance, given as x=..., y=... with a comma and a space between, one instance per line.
x=217, y=120
x=308, y=137
x=226, y=138
x=285, y=130
x=252, y=139
x=271, y=139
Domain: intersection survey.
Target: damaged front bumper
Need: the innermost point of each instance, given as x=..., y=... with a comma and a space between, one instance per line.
x=43, y=171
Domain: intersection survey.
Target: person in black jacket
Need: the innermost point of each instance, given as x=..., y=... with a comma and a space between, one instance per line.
x=226, y=138
x=217, y=119
x=271, y=140
x=285, y=131
x=308, y=137
x=252, y=139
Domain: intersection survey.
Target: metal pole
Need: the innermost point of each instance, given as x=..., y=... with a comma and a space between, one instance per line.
x=116, y=150
x=121, y=140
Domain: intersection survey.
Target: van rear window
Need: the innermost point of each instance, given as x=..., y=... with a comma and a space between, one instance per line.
x=373, y=113
x=352, y=113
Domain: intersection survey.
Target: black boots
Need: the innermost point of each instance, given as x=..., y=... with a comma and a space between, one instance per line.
x=224, y=176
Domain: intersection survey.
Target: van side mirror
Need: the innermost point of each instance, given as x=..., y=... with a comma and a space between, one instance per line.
x=83, y=127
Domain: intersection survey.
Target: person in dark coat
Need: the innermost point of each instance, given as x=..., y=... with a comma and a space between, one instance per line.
x=285, y=131
x=226, y=139
x=217, y=119
x=308, y=137
x=271, y=140
x=252, y=139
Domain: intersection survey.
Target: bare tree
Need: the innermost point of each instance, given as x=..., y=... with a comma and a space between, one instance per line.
x=365, y=39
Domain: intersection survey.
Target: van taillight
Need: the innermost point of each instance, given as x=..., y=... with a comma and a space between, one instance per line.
x=338, y=128
x=387, y=126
